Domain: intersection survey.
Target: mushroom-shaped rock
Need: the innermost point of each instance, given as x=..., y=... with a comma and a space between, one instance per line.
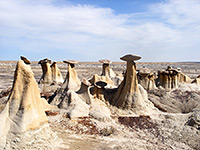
x=168, y=79
x=56, y=74
x=24, y=109
x=105, y=61
x=130, y=57
x=131, y=95
x=129, y=86
x=71, y=62
x=99, y=88
x=105, y=79
x=106, y=70
x=26, y=61
x=84, y=92
x=71, y=83
x=46, y=69
x=146, y=78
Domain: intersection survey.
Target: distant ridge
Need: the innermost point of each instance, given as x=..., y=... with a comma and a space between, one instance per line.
x=188, y=62
x=119, y=62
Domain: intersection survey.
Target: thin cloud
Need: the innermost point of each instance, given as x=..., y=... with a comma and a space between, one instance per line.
x=167, y=31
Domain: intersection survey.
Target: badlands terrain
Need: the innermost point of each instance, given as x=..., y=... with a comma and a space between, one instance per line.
x=160, y=119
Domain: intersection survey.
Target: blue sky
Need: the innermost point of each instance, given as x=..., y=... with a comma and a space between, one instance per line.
x=89, y=30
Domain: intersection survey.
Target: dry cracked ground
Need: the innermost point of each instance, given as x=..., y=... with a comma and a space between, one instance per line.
x=159, y=131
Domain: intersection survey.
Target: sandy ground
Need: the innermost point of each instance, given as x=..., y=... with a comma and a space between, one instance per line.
x=162, y=131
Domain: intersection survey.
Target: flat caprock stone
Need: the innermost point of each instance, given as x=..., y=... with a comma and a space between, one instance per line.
x=53, y=63
x=70, y=61
x=46, y=60
x=105, y=61
x=26, y=61
x=100, y=84
x=130, y=57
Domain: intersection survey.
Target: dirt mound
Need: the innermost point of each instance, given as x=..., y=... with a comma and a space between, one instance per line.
x=183, y=99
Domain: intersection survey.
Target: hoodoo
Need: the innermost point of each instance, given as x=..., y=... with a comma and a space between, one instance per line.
x=51, y=72
x=25, y=109
x=71, y=82
x=56, y=74
x=106, y=70
x=46, y=69
x=147, y=79
x=130, y=94
x=129, y=86
x=99, y=88
x=84, y=92
x=170, y=78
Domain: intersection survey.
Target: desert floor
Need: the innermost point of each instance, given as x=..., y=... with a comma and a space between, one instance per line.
x=161, y=132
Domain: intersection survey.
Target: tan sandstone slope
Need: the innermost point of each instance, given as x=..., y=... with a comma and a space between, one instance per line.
x=71, y=82
x=106, y=70
x=25, y=109
x=56, y=74
x=51, y=72
x=171, y=78
x=146, y=78
x=131, y=95
x=46, y=70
